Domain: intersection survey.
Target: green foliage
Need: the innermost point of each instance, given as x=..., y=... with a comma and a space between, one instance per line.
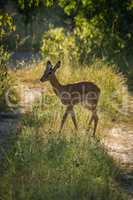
x=6, y=83
x=103, y=29
x=3, y=80
x=4, y=55
x=89, y=39
x=94, y=43
x=24, y=4
x=59, y=44
x=68, y=6
x=6, y=25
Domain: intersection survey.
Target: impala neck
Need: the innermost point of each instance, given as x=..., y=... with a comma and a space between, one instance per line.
x=55, y=83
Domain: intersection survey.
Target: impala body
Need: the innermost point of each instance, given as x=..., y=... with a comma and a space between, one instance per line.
x=86, y=93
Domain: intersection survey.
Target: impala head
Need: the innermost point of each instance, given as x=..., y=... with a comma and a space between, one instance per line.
x=49, y=71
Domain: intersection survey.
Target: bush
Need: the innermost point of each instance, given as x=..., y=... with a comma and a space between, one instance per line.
x=6, y=82
x=93, y=42
x=89, y=39
x=86, y=44
x=6, y=27
x=57, y=44
x=4, y=78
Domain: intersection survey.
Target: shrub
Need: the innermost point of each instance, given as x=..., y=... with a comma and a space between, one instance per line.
x=93, y=42
x=6, y=27
x=4, y=78
x=59, y=44
x=6, y=82
x=89, y=39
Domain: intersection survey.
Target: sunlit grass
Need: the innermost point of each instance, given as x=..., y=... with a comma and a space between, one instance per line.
x=111, y=83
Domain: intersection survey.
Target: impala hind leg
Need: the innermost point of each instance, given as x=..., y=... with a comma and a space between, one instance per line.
x=90, y=122
x=95, y=122
x=94, y=118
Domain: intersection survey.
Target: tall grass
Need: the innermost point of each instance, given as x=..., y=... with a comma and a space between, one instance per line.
x=110, y=81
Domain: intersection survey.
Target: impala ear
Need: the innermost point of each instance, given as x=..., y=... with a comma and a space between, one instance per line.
x=58, y=64
x=49, y=65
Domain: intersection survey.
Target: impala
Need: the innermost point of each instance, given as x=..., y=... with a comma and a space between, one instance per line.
x=86, y=93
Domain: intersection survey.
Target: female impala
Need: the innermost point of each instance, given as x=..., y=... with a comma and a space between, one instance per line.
x=86, y=93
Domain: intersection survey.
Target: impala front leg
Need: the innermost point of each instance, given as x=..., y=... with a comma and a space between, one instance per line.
x=64, y=118
x=95, y=123
x=90, y=122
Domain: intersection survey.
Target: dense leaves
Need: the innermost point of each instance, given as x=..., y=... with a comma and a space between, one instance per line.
x=103, y=28
x=6, y=27
x=58, y=44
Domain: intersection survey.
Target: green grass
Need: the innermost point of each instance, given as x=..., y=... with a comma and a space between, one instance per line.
x=44, y=164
